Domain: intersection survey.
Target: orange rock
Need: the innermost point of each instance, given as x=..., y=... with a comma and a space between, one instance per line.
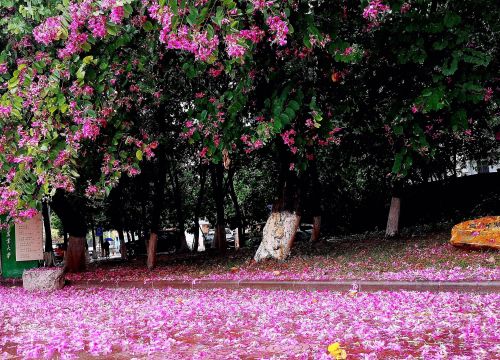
x=483, y=232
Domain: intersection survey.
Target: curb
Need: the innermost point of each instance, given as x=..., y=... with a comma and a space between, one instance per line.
x=358, y=285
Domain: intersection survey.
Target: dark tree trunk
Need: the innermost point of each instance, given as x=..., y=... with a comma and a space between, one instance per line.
x=220, y=227
x=65, y=237
x=181, y=244
x=94, y=244
x=240, y=221
x=158, y=203
x=72, y=216
x=48, y=255
x=101, y=243
x=199, y=204
x=123, y=246
x=316, y=208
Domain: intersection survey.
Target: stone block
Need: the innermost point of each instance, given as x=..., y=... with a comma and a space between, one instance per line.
x=483, y=232
x=44, y=279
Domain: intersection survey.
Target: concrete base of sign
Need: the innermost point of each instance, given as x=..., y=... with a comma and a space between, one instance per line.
x=47, y=279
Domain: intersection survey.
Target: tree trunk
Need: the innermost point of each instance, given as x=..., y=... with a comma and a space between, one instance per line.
x=278, y=236
x=94, y=244
x=151, y=247
x=123, y=246
x=158, y=202
x=65, y=237
x=281, y=226
x=314, y=203
x=392, y=228
x=101, y=243
x=316, y=228
x=48, y=256
x=197, y=211
x=220, y=228
x=71, y=212
x=239, y=214
x=181, y=245
x=74, y=260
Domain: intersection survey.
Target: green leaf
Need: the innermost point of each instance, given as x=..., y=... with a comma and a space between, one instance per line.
x=138, y=155
x=294, y=105
x=449, y=69
x=451, y=19
x=147, y=26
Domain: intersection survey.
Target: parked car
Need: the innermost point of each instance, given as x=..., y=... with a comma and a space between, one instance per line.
x=58, y=252
x=166, y=243
x=209, y=238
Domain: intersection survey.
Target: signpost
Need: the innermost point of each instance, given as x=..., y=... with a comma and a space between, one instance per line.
x=21, y=247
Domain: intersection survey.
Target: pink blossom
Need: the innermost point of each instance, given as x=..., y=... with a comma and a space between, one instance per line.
x=48, y=31
x=3, y=68
x=405, y=8
x=261, y=4
x=374, y=9
x=91, y=191
x=233, y=47
x=97, y=24
x=280, y=29
x=488, y=94
x=5, y=110
x=203, y=152
x=117, y=14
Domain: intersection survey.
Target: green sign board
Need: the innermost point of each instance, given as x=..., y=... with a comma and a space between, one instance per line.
x=10, y=267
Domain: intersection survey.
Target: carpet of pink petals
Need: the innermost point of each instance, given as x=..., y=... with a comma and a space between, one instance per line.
x=247, y=324
x=434, y=261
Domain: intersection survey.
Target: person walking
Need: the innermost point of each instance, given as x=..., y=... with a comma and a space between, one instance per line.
x=106, y=248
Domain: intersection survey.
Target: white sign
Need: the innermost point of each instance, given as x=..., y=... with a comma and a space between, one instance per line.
x=29, y=239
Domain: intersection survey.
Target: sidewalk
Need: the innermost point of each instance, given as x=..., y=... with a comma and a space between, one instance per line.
x=298, y=285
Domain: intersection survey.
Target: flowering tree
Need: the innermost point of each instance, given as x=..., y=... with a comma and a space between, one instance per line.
x=69, y=87
x=96, y=80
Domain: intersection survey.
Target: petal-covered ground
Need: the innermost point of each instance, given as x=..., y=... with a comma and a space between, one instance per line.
x=428, y=257
x=247, y=324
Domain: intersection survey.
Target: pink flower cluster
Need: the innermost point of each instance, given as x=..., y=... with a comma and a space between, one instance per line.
x=117, y=14
x=280, y=29
x=233, y=46
x=194, y=42
x=261, y=4
x=251, y=145
x=288, y=137
x=375, y=9
x=48, y=31
x=97, y=24
x=5, y=110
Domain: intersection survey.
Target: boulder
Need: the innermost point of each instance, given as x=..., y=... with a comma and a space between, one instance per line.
x=44, y=279
x=483, y=232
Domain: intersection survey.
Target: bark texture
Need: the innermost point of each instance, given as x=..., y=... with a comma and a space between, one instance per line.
x=71, y=211
x=152, y=245
x=48, y=255
x=392, y=228
x=220, y=228
x=278, y=236
x=75, y=254
x=316, y=228
x=123, y=245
